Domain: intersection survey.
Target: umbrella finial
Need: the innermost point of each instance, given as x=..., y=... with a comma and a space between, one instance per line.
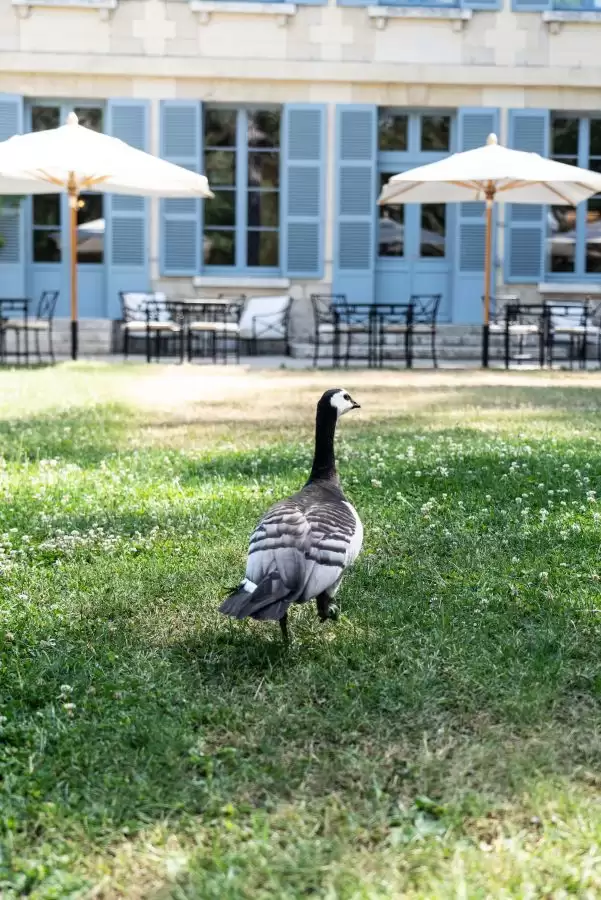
x=491, y=139
x=72, y=119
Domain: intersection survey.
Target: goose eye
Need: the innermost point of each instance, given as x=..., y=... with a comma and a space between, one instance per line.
x=346, y=397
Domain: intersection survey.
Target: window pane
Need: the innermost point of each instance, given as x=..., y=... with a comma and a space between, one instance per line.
x=220, y=167
x=90, y=240
x=392, y=131
x=391, y=226
x=264, y=170
x=562, y=239
x=46, y=246
x=219, y=248
x=220, y=128
x=595, y=139
x=436, y=131
x=45, y=117
x=264, y=128
x=564, y=136
x=47, y=209
x=263, y=209
x=89, y=117
x=263, y=248
x=220, y=212
x=567, y=160
x=593, y=235
x=433, y=229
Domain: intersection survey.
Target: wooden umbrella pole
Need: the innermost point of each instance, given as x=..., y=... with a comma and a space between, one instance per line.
x=73, y=204
x=490, y=199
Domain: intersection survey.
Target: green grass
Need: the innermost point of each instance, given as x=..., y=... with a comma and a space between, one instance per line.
x=442, y=740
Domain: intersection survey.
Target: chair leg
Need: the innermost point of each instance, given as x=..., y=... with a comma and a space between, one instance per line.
x=125, y=344
x=26, y=339
x=316, y=350
x=37, y=347
x=18, y=345
x=434, y=357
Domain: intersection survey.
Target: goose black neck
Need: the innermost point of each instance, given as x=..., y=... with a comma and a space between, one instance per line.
x=324, y=462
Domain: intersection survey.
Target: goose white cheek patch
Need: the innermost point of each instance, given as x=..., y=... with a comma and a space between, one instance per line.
x=339, y=403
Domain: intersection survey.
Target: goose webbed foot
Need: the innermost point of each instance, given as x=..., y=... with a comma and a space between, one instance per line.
x=326, y=609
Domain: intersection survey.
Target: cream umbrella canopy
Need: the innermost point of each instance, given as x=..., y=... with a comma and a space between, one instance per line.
x=493, y=174
x=72, y=159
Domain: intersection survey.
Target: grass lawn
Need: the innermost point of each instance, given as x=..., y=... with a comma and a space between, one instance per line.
x=442, y=740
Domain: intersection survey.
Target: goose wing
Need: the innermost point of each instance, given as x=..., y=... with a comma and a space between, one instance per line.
x=308, y=540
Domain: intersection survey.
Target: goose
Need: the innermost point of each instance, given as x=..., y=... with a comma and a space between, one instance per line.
x=303, y=545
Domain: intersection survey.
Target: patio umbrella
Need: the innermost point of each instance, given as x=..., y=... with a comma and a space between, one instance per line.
x=73, y=159
x=493, y=174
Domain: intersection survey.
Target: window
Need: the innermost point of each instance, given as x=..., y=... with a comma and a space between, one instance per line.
x=47, y=209
x=408, y=139
x=433, y=229
x=574, y=237
x=242, y=163
x=391, y=226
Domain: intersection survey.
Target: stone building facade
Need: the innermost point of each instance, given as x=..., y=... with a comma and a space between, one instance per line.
x=297, y=112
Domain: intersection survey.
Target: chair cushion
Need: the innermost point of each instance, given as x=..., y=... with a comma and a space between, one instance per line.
x=140, y=327
x=21, y=324
x=272, y=311
x=229, y=327
x=135, y=305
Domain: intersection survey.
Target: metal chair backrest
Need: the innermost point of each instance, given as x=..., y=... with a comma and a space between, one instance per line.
x=327, y=306
x=47, y=305
x=568, y=315
x=142, y=306
x=425, y=308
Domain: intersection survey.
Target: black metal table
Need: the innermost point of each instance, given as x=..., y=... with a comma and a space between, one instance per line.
x=216, y=314
x=354, y=319
x=14, y=308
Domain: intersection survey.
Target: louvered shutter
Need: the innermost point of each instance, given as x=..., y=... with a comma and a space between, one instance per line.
x=303, y=174
x=12, y=252
x=474, y=126
x=356, y=213
x=525, y=224
x=181, y=220
x=126, y=217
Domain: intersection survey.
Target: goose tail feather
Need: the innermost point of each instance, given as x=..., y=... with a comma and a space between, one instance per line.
x=270, y=599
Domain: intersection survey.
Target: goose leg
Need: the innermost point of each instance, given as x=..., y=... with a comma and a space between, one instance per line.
x=325, y=608
x=284, y=627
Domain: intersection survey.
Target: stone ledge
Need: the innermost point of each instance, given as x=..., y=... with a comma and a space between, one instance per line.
x=556, y=289
x=381, y=14
x=241, y=283
x=555, y=19
x=206, y=8
x=105, y=8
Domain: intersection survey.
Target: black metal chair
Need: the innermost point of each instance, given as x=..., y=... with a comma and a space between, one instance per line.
x=218, y=328
x=14, y=317
x=329, y=312
x=394, y=319
x=266, y=319
x=146, y=316
x=524, y=322
x=570, y=325
x=425, y=319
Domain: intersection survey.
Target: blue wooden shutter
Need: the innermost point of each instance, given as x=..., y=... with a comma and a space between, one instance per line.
x=126, y=217
x=356, y=212
x=525, y=225
x=181, y=220
x=303, y=171
x=12, y=225
x=482, y=4
x=474, y=126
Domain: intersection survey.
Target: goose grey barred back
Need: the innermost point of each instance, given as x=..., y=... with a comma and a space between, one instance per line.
x=302, y=546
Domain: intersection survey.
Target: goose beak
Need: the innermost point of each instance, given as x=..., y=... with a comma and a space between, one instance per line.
x=356, y=405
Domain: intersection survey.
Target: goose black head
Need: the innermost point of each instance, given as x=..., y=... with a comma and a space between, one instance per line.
x=339, y=400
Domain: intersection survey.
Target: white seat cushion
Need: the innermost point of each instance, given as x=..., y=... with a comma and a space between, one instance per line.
x=30, y=324
x=135, y=305
x=141, y=327
x=229, y=327
x=271, y=311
